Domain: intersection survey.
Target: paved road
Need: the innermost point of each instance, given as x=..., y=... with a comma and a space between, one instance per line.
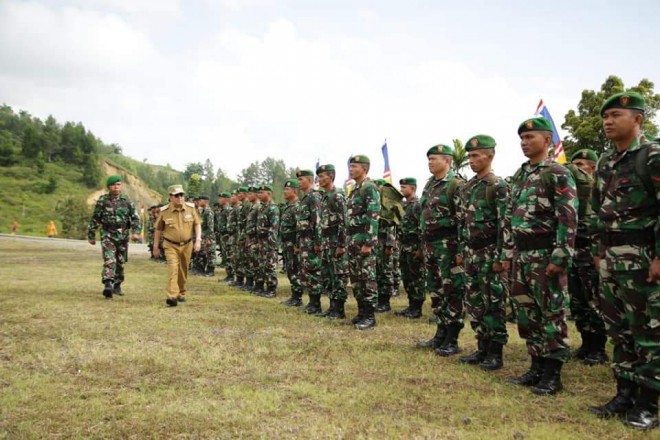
x=133, y=248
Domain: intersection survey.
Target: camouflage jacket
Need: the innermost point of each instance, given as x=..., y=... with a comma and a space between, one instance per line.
x=208, y=223
x=308, y=225
x=333, y=218
x=115, y=216
x=268, y=223
x=387, y=235
x=251, y=219
x=243, y=210
x=480, y=219
x=623, y=206
x=535, y=225
x=409, y=229
x=222, y=219
x=438, y=216
x=362, y=214
x=288, y=224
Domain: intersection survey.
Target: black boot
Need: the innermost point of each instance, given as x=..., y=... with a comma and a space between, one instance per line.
x=269, y=292
x=116, y=289
x=449, y=346
x=258, y=289
x=383, y=303
x=415, y=310
x=626, y=393
x=550, y=382
x=369, y=320
x=404, y=312
x=249, y=284
x=329, y=310
x=239, y=282
x=436, y=340
x=314, y=305
x=493, y=359
x=585, y=348
x=644, y=415
x=338, y=311
x=107, y=289
x=479, y=355
x=597, y=354
x=532, y=376
x=294, y=301
x=228, y=279
x=360, y=316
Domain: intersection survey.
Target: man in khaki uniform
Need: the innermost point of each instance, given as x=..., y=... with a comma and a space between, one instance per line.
x=175, y=223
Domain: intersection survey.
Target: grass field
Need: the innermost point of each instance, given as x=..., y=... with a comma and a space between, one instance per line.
x=230, y=365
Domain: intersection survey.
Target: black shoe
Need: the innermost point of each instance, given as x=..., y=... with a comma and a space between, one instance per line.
x=436, y=340
x=597, y=354
x=107, y=289
x=405, y=312
x=415, y=311
x=383, y=304
x=338, y=312
x=294, y=301
x=478, y=356
x=369, y=320
x=228, y=279
x=360, y=316
x=626, y=393
x=532, y=376
x=116, y=289
x=270, y=292
x=493, y=359
x=449, y=346
x=249, y=284
x=171, y=302
x=328, y=311
x=585, y=348
x=550, y=382
x=238, y=283
x=314, y=306
x=258, y=289
x=644, y=415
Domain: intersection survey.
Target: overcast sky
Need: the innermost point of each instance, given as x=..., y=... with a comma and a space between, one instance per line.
x=235, y=81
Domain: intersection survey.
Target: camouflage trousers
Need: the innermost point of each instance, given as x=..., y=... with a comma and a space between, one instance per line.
x=239, y=257
x=310, y=267
x=206, y=256
x=485, y=297
x=585, y=302
x=334, y=273
x=267, y=264
x=384, y=270
x=631, y=311
x=362, y=273
x=412, y=274
x=292, y=269
x=445, y=280
x=541, y=303
x=228, y=257
x=115, y=256
x=252, y=257
x=396, y=267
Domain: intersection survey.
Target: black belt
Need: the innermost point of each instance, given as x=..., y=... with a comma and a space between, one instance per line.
x=623, y=238
x=535, y=243
x=178, y=243
x=440, y=234
x=582, y=242
x=330, y=231
x=481, y=243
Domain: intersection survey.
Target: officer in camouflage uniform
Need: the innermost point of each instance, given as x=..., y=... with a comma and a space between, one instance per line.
x=439, y=230
x=333, y=242
x=252, y=242
x=483, y=206
x=387, y=243
x=230, y=235
x=268, y=226
x=308, y=234
x=412, y=257
x=151, y=220
x=207, y=252
x=288, y=239
x=362, y=215
x=115, y=215
x=627, y=251
x=239, y=249
x=541, y=223
x=582, y=275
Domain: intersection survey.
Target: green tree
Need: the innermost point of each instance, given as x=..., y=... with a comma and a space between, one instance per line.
x=74, y=215
x=460, y=156
x=10, y=148
x=585, y=125
x=194, y=184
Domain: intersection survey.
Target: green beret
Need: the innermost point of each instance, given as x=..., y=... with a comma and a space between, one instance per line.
x=203, y=197
x=325, y=169
x=408, y=181
x=535, y=124
x=445, y=150
x=480, y=142
x=266, y=188
x=585, y=153
x=111, y=180
x=360, y=158
x=243, y=189
x=630, y=100
x=292, y=183
x=304, y=173
x=225, y=194
x=380, y=182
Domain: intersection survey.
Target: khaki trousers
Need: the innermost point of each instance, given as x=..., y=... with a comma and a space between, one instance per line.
x=178, y=261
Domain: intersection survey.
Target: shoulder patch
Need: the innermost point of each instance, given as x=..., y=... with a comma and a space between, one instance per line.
x=190, y=204
x=163, y=208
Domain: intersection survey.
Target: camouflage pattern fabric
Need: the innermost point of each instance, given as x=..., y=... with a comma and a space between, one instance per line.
x=308, y=235
x=240, y=250
x=542, y=233
x=288, y=240
x=387, y=240
x=252, y=257
x=232, y=233
x=412, y=266
x=334, y=270
x=150, y=233
x=206, y=255
x=268, y=223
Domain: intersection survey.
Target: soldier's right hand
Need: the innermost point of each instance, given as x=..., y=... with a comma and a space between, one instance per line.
x=155, y=252
x=92, y=242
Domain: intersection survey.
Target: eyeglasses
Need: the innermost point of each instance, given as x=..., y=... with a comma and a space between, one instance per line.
x=177, y=195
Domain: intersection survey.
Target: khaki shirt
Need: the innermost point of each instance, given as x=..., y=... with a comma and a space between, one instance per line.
x=177, y=224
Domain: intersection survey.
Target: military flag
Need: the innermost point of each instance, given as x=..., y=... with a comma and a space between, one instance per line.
x=542, y=110
x=387, y=174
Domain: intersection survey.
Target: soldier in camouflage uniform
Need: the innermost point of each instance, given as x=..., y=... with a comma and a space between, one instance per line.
x=362, y=215
x=151, y=220
x=582, y=275
x=483, y=206
x=412, y=257
x=115, y=215
x=541, y=223
x=308, y=234
x=207, y=252
x=268, y=226
x=239, y=249
x=288, y=239
x=626, y=249
x=384, y=251
x=333, y=243
x=230, y=212
x=252, y=242
x=439, y=230
x=221, y=232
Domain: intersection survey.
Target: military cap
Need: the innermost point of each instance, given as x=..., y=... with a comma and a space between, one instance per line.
x=203, y=197
x=194, y=197
x=629, y=100
x=360, y=158
x=225, y=194
x=292, y=183
x=253, y=189
x=243, y=189
x=480, y=142
x=175, y=189
x=585, y=153
x=111, y=180
x=535, y=124
x=445, y=150
x=408, y=181
x=266, y=188
x=325, y=169
x=304, y=173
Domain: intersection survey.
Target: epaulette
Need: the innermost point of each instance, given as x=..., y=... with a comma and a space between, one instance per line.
x=164, y=207
x=190, y=204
